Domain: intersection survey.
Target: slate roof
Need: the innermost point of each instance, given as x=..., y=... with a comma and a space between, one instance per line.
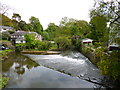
x=19, y=33
x=5, y=27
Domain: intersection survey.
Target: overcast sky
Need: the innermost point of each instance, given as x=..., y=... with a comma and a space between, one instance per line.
x=51, y=11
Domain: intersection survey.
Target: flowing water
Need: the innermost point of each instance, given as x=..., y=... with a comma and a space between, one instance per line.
x=67, y=70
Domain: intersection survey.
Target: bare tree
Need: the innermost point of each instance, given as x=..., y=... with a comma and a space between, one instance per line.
x=4, y=9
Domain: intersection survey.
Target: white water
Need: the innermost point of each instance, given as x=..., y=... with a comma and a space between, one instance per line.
x=73, y=63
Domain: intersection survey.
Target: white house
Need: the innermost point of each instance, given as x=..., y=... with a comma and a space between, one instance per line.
x=87, y=41
x=18, y=37
x=5, y=28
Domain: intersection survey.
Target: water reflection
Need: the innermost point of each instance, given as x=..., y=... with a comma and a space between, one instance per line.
x=25, y=73
x=17, y=63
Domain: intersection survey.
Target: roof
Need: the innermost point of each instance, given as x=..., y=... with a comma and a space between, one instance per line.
x=20, y=33
x=86, y=40
x=5, y=27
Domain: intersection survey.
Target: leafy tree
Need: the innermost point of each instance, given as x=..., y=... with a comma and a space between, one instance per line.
x=35, y=25
x=30, y=38
x=45, y=35
x=16, y=17
x=23, y=25
x=111, y=11
x=53, y=30
x=63, y=42
x=99, y=29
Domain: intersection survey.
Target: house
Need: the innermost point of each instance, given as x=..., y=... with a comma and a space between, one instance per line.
x=113, y=46
x=87, y=41
x=5, y=28
x=18, y=37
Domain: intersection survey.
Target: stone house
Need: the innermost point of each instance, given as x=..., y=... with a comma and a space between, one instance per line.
x=18, y=37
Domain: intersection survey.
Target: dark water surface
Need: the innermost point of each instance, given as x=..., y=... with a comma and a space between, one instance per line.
x=49, y=71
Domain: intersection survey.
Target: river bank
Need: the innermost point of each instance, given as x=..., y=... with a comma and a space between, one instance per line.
x=41, y=52
x=98, y=57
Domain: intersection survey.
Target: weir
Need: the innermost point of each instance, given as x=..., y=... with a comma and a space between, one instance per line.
x=70, y=62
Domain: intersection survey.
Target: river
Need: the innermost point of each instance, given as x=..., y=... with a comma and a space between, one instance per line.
x=67, y=70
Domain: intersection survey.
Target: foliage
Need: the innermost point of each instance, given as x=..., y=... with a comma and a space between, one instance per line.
x=3, y=81
x=31, y=43
x=99, y=29
x=44, y=45
x=16, y=17
x=7, y=44
x=109, y=65
x=20, y=46
x=52, y=31
x=5, y=35
x=98, y=44
x=110, y=10
x=63, y=42
x=30, y=38
x=35, y=25
x=23, y=25
x=45, y=35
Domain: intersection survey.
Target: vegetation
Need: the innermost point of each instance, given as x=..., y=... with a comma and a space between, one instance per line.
x=103, y=27
x=109, y=65
x=3, y=81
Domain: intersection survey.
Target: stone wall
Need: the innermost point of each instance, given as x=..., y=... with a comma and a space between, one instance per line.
x=89, y=53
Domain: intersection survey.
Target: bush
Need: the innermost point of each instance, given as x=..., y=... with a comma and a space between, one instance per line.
x=7, y=44
x=3, y=81
x=98, y=44
x=20, y=47
x=110, y=64
x=44, y=45
x=63, y=42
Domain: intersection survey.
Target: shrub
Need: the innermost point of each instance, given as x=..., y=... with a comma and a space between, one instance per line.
x=20, y=47
x=44, y=45
x=7, y=44
x=63, y=42
x=3, y=81
x=110, y=64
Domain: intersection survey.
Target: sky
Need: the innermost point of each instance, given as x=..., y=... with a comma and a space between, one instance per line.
x=50, y=11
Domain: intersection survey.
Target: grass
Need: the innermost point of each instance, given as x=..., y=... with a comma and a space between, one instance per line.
x=3, y=81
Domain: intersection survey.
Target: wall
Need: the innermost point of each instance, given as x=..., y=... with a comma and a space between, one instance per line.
x=89, y=53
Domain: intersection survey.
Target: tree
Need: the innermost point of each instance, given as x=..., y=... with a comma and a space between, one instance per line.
x=4, y=8
x=111, y=11
x=35, y=25
x=30, y=40
x=63, y=42
x=23, y=25
x=52, y=30
x=46, y=35
x=99, y=29
x=16, y=17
